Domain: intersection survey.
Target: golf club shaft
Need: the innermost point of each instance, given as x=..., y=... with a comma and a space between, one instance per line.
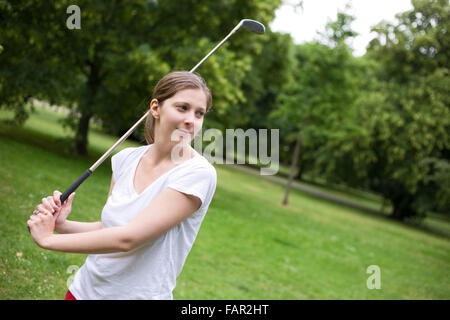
x=217, y=47
x=89, y=171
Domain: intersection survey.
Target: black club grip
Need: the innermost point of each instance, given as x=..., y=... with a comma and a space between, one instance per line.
x=75, y=185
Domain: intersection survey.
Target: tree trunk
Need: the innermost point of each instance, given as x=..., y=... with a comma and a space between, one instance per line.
x=301, y=169
x=402, y=207
x=293, y=167
x=81, y=138
x=93, y=83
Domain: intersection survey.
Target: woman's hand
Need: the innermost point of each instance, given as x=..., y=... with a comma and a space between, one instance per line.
x=41, y=226
x=61, y=211
x=51, y=215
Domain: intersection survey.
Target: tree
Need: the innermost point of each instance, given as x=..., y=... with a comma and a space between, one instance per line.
x=398, y=144
x=414, y=56
x=23, y=72
x=338, y=32
x=108, y=66
x=322, y=88
x=72, y=67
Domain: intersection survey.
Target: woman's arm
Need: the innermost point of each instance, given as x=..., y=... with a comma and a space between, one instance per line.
x=107, y=240
x=77, y=227
x=168, y=209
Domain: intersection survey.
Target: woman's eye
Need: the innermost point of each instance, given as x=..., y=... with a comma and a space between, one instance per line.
x=184, y=108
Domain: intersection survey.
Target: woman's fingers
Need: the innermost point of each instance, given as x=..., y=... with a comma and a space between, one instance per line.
x=36, y=218
x=42, y=209
x=70, y=199
x=52, y=202
x=68, y=203
x=48, y=205
x=31, y=223
x=57, y=197
x=45, y=212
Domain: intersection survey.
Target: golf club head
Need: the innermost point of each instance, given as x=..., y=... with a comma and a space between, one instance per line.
x=254, y=26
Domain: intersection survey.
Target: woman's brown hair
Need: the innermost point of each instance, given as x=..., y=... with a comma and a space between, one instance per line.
x=167, y=87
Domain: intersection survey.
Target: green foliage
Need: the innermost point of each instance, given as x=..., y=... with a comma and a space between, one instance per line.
x=382, y=121
x=398, y=144
x=106, y=68
x=418, y=44
x=22, y=73
x=261, y=78
x=414, y=60
x=318, y=97
x=338, y=31
x=131, y=77
x=271, y=70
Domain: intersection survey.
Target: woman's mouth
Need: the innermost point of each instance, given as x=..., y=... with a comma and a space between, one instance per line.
x=185, y=131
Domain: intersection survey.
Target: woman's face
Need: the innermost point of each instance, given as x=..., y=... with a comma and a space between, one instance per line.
x=180, y=116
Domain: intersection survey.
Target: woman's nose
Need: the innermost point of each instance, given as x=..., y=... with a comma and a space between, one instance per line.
x=189, y=119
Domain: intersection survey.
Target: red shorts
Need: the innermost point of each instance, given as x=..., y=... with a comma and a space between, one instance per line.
x=69, y=296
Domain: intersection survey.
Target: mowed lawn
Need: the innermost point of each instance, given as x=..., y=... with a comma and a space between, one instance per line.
x=249, y=246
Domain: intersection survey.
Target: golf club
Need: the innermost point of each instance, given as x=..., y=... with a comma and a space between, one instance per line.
x=248, y=24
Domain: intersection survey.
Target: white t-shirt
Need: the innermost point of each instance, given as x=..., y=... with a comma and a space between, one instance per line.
x=149, y=271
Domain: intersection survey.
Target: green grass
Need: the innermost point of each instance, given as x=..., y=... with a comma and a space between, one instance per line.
x=249, y=246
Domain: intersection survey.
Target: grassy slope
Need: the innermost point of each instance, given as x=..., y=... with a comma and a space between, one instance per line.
x=249, y=246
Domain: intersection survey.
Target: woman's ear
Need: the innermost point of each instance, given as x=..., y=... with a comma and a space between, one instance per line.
x=154, y=108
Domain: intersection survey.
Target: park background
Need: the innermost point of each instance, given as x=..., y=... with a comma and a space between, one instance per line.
x=364, y=143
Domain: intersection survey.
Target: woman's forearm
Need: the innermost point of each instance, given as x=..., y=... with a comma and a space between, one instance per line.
x=78, y=227
x=105, y=240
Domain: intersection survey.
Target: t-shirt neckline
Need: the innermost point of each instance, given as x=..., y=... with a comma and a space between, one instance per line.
x=164, y=174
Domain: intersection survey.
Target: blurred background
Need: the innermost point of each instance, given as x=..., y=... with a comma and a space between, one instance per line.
x=364, y=126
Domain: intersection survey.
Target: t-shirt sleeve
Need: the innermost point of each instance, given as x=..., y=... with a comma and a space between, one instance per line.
x=200, y=182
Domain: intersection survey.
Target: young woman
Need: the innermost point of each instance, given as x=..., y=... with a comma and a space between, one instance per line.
x=158, y=198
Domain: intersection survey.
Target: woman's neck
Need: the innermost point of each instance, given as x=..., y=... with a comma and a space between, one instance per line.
x=161, y=153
